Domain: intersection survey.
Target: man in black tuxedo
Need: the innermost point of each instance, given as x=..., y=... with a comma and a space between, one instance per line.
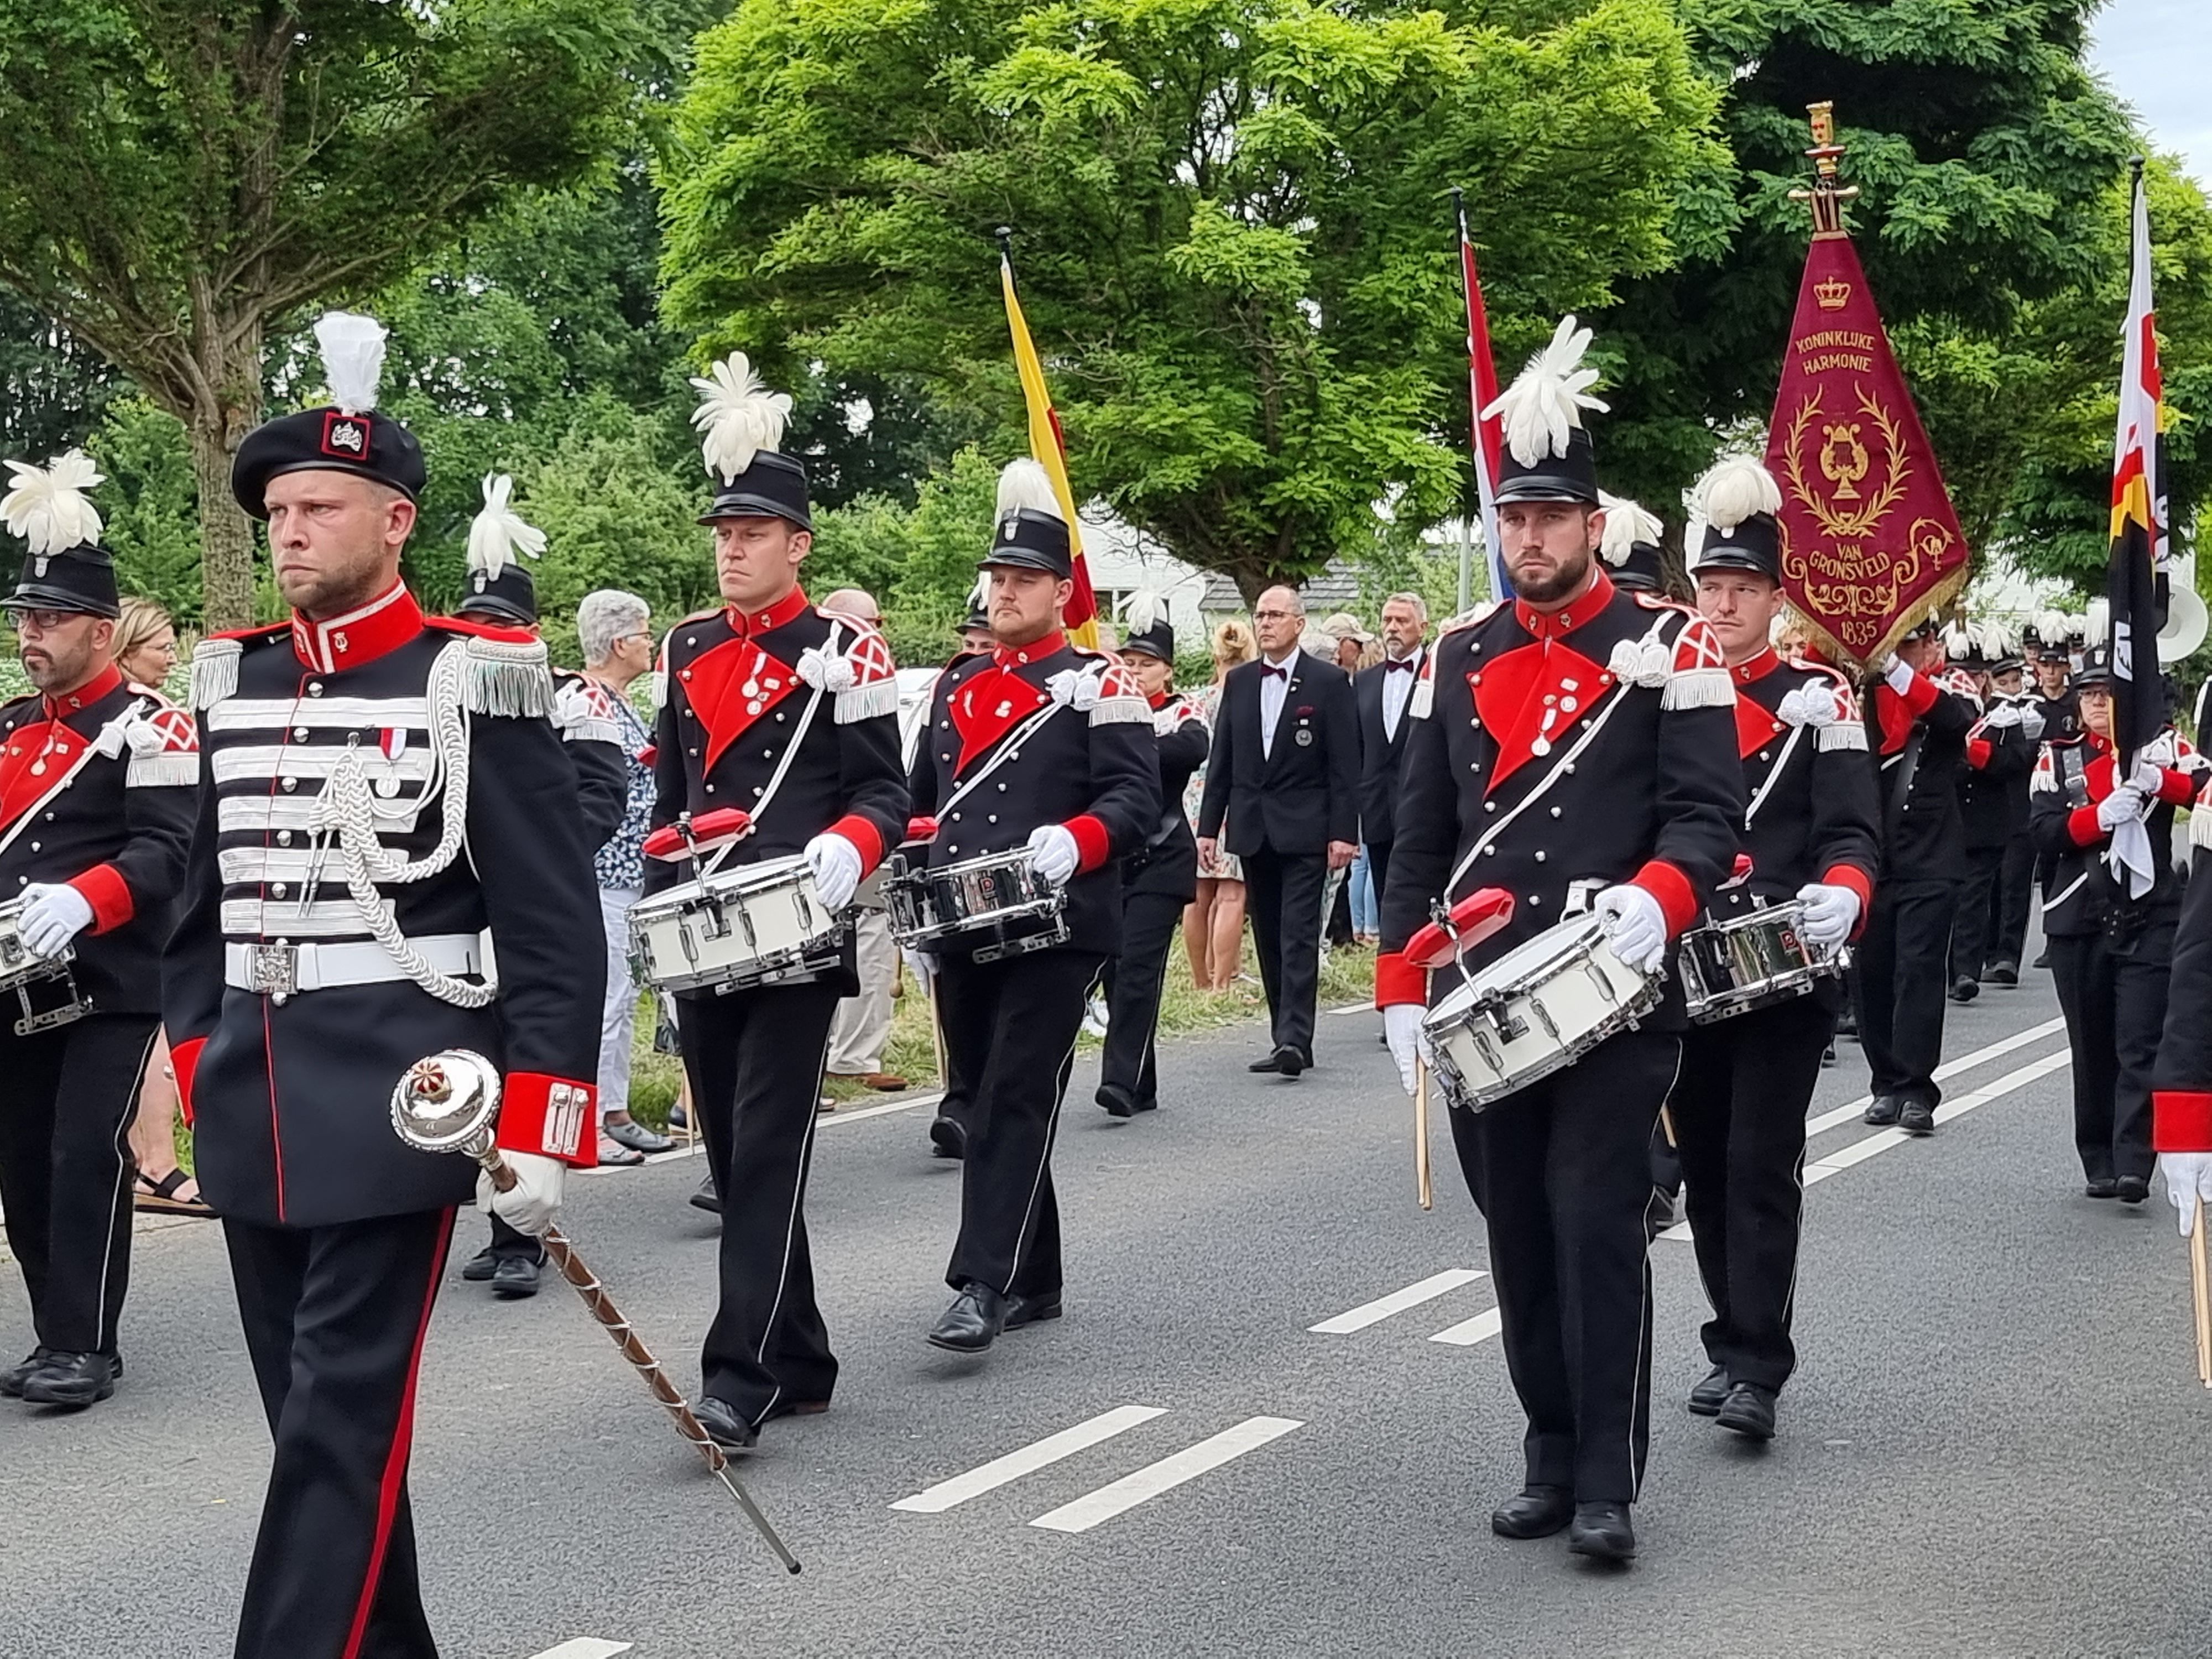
x=1284, y=774
x=1381, y=694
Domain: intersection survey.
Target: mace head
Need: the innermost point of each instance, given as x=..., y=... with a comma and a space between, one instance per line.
x=447, y=1101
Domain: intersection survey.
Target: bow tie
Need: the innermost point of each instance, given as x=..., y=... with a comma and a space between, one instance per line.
x=1268, y=669
x=1393, y=665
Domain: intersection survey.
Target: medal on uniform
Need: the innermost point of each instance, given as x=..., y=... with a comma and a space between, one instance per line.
x=1305, y=737
x=392, y=742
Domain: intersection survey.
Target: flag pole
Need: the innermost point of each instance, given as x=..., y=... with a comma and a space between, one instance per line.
x=1483, y=435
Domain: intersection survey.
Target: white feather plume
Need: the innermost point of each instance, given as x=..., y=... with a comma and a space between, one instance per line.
x=1541, y=408
x=738, y=415
x=1958, y=642
x=979, y=597
x=1736, y=488
x=1147, y=605
x=2097, y=626
x=353, y=358
x=2050, y=627
x=1025, y=484
x=47, y=506
x=1626, y=525
x=498, y=532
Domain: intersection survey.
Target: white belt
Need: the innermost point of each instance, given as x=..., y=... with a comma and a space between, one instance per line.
x=280, y=969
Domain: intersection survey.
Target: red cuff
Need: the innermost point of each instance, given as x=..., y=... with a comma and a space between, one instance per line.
x=1092, y=845
x=184, y=1062
x=1920, y=696
x=2180, y=1121
x=1398, y=981
x=2082, y=824
x=109, y=894
x=1979, y=751
x=1677, y=900
x=2176, y=788
x=1850, y=876
x=552, y=1116
x=864, y=835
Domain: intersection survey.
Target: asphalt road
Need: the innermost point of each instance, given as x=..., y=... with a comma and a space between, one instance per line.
x=1995, y=1445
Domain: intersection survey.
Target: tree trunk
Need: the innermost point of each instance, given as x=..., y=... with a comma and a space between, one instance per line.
x=227, y=536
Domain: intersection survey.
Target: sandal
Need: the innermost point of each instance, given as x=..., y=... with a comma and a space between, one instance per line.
x=162, y=1195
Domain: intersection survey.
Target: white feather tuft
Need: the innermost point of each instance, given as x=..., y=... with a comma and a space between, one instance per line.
x=1544, y=406
x=1147, y=605
x=1025, y=484
x=1737, y=488
x=1957, y=641
x=47, y=506
x=498, y=532
x=1626, y=525
x=353, y=358
x=737, y=416
x=2097, y=626
x=2050, y=627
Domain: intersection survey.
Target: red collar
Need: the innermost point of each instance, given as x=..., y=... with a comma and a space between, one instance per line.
x=2098, y=746
x=1757, y=668
x=85, y=696
x=1012, y=656
x=760, y=622
x=358, y=637
x=1159, y=700
x=1554, y=624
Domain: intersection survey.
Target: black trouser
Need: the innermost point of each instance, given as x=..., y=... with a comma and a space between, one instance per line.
x=1739, y=1112
x=1013, y=1024
x=66, y=1101
x=2115, y=1009
x=1283, y=897
x=754, y=1060
x=1973, y=931
x=2016, y=896
x=1562, y=1173
x=1378, y=869
x=335, y=1318
x=1900, y=967
x=1133, y=979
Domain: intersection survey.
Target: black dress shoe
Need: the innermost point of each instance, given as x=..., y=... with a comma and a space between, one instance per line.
x=2042, y=958
x=480, y=1266
x=723, y=1425
x=1964, y=989
x=12, y=1379
x=1290, y=1062
x=1748, y=1410
x=514, y=1277
x=707, y=1197
x=1031, y=1310
x=1886, y=1110
x=2131, y=1190
x=1116, y=1100
x=1828, y=1057
x=1532, y=1512
x=1270, y=1063
x=973, y=1322
x=1705, y=1399
x=946, y=1137
x=1151, y=1105
x=75, y=1380
x=2102, y=1187
x=1916, y=1118
x=1601, y=1532
x=2002, y=973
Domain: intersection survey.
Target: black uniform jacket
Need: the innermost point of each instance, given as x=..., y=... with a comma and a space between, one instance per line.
x=96, y=791
x=993, y=765
x=2062, y=714
x=1304, y=794
x=2181, y=1083
x=1167, y=861
x=1993, y=790
x=366, y=718
x=741, y=689
x=2085, y=894
x=1919, y=740
x=1810, y=786
x=1556, y=756
x=1381, y=759
x=592, y=733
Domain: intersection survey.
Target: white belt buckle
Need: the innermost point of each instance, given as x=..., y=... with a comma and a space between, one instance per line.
x=273, y=970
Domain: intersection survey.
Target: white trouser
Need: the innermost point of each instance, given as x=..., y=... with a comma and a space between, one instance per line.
x=863, y=1022
x=618, y=1016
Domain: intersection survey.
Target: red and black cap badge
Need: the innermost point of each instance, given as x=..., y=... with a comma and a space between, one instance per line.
x=346, y=434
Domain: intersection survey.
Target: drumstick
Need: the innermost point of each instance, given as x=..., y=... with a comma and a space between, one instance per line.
x=1423, y=1187
x=2200, y=1284
x=1666, y=1122
x=936, y=1033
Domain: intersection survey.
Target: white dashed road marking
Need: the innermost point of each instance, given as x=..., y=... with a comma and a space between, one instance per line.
x=1371, y=1313
x=1468, y=1331
x=1166, y=1475
x=934, y=1500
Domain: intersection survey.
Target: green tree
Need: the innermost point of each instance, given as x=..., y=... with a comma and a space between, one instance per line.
x=1233, y=240
x=184, y=175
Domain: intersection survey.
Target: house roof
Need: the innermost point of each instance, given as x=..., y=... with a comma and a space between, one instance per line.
x=1337, y=588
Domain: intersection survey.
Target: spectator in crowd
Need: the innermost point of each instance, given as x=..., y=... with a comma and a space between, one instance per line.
x=863, y=1022
x=1343, y=641
x=1214, y=926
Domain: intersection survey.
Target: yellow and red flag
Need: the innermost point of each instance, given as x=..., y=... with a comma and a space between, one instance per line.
x=2138, y=535
x=1049, y=447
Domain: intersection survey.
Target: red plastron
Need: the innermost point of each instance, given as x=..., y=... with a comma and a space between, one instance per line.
x=988, y=707
x=1530, y=699
x=1755, y=728
x=731, y=687
x=48, y=746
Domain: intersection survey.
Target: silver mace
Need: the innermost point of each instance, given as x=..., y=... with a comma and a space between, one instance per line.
x=448, y=1103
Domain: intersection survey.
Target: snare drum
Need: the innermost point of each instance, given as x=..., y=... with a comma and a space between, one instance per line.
x=1540, y=1007
x=22, y=970
x=1751, y=961
x=748, y=924
x=989, y=906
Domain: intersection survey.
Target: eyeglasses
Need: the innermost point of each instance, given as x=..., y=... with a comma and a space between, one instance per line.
x=1274, y=616
x=44, y=622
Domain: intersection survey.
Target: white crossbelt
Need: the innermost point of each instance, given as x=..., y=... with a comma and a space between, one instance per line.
x=286, y=968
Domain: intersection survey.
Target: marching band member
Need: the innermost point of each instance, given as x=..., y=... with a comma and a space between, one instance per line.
x=1160, y=877
x=2000, y=751
x=1043, y=746
x=1576, y=749
x=95, y=813
x=1917, y=730
x=1738, y=1104
x=1631, y=549
x=382, y=789
x=790, y=716
x=2111, y=931
x=2013, y=889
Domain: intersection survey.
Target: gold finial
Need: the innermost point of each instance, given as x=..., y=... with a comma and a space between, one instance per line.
x=1828, y=193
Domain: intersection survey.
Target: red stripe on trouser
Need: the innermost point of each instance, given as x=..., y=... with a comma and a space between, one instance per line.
x=395, y=1459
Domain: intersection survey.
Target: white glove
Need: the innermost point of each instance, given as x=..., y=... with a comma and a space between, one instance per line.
x=2124, y=805
x=1831, y=913
x=1636, y=925
x=530, y=1205
x=2146, y=780
x=2005, y=714
x=835, y=863
x=1401, y=1029
x=1054, y=852
x=2032, y=722
x=2188, y=1178
x=921, y=964
x=53, y=915
x=1898, y=676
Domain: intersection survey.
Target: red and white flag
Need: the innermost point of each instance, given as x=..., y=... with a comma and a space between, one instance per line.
x=1488, y=433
